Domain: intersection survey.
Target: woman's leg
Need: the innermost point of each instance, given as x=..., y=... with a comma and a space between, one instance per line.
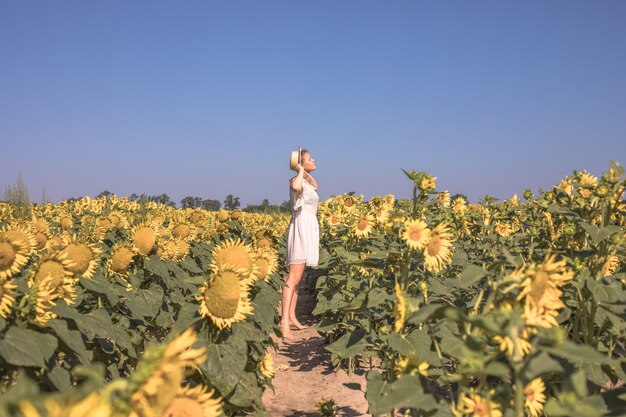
x=295, y=275
x=292, y=312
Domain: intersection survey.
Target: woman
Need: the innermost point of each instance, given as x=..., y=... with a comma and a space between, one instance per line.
x=302, y=238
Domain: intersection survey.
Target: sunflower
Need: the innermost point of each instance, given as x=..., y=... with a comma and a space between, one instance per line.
x=428, y=183
x=477, y=406
x=236, y=253
x=16, y=245
x=197, y=401
x=363, y=226
x=503, y=228
x=540, y=290
x=518, y=348
x=437, y=253
x=7, y=292
x=381, y=215
x=94, y=405
x=118, y=220
x=588, y=182
x=66, y=221
x=459, y=205
x=534, y=397
x=266, y=261
x=416, y=234
x=399, y=309
x=162, y=367
x=183, y=230
x=411, y=365
x=42, y=296
x=85, y=257
x=611, y=265
x=54, y=273
x=120, y=260
x=444, y=198
x=566, y=186
x=144, y=237
x=224, y=297
x=266, y=366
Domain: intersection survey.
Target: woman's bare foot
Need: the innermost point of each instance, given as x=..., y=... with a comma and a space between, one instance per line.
x=297, y=324
x=284, y=329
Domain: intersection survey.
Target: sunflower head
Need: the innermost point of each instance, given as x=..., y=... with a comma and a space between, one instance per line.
x=399, y=309
x=266, y=366
x=83, y=256
x=416, y=234
x=363, y=226
x=144, y=237
x=7, y=297
x=235, y=253
x=121, y=259
x=266, y=261
x=224, y=296
x=437, y=252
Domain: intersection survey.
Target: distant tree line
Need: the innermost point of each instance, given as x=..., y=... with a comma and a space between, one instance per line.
x=230, y=203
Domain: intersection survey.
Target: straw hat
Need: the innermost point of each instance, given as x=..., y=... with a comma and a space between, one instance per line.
x=294, y=159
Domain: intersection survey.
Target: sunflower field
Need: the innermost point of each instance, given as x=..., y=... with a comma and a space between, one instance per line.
x=503, y=308
x=114, y=308
x=110, y=308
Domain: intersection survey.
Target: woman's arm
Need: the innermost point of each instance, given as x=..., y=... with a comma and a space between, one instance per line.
x=296, y=183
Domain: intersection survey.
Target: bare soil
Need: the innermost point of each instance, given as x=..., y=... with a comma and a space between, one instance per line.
x=304, y=373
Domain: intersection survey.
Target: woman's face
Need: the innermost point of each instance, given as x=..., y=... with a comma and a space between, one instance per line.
x=308, y=163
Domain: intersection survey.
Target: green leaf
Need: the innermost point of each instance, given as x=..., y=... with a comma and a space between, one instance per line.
x=60, y=377
x=24, y=347
x=406, y=392
x=96, y=323
x=350, y=344
x=156, y=266
x=542, y=364
x=225, y=363
x=145, y=302
x=263, y=304
x=377, y=296
x=578, y=354
x=190, y=265
x=471, y=275
x=72, y=339
x=247, y=392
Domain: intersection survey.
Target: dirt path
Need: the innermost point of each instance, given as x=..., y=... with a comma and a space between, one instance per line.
x=304, y=374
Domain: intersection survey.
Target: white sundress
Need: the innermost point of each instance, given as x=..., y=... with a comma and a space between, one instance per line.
x=303, y=234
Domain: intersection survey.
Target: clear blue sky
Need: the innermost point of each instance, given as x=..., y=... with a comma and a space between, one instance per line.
x=208, y=98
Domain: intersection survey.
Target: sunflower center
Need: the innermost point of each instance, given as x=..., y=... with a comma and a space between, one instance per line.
x=434, y=245
x=66, y=222
x=181, y=231
x=539, y=285
x=121, y=259
x=415, y=234
x=53, y=269
x=263, y=243
x=80, y=255
x=480, y=409
x=222, y=295
x=41, y=226
x=7, y=255
x=237, y=256
x=184, y=407
x=144, y=239
x=105, y=223
x=362, y=224
x=41, y=239
x=263, y=267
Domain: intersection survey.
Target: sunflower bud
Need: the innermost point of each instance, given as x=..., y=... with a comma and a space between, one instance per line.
x=528, y=194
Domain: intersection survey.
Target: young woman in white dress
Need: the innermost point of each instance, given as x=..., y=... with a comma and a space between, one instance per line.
x=302, y=238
